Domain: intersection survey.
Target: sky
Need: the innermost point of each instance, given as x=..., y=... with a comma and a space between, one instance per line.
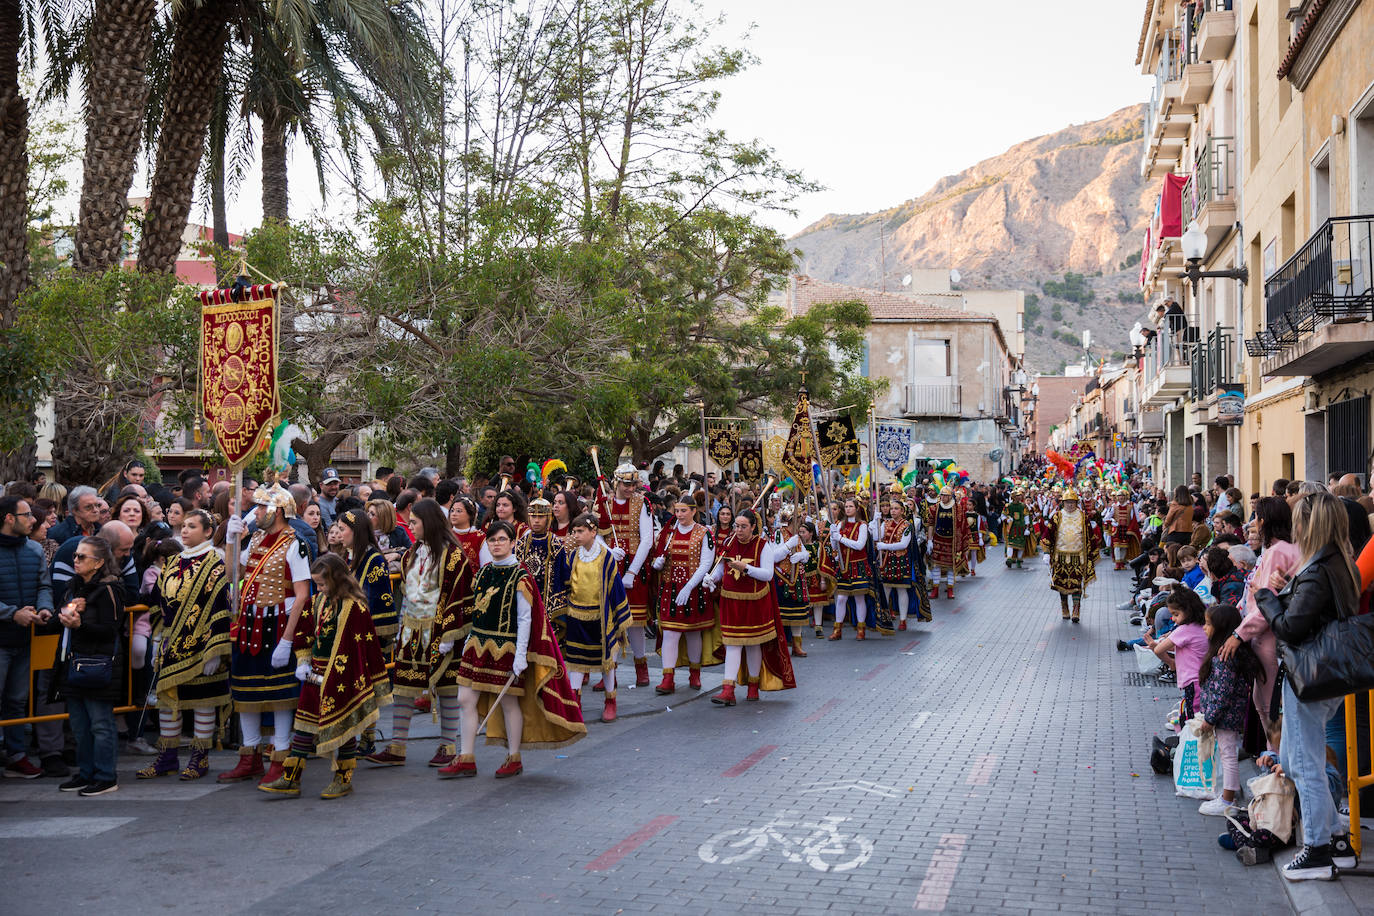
x=878, y=99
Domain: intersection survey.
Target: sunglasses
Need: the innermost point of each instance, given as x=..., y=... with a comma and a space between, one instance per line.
x=84, y=556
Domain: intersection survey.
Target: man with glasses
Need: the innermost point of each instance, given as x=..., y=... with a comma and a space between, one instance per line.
x=25, y=599
x=83, y=515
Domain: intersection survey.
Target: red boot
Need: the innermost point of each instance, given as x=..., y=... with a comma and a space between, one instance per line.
x=667, y=686
x=753, y=693
x=863, y=634
x=511, y=767
x=949, y=591
x=641, y=672
x=249, y=766
x=599, y=686
x=459, y=767
x=935, y=592
x=901, y=624
x=608, y=711
x=694, y=678
x=726, y=697
x=275, y=769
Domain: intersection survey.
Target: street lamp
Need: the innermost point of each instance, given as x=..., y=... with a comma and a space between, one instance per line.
x=1194, y=244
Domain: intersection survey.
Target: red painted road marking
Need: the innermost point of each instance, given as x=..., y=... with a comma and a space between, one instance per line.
x=872, y=674
x=632, y=842
x=1042, y=645
x=749, y=761
x=939, y=623
x=909, y=646
x=944, y=865
x=957, y=610
x=981, y=773
x=825, y=708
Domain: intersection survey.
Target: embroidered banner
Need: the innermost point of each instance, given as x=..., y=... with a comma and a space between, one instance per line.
x=722, y=441
x=800, y=448
x=894, y=445
x=751, y=460
x=839, y=445
x=238, y=368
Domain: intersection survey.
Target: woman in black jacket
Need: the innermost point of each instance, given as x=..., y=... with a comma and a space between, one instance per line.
x=1322, y=590
x=93, y=615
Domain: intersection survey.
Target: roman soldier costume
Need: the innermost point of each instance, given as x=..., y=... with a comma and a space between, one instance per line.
x=626, y=524
x=689, y=632
x=1125, y=529
x=947, y=539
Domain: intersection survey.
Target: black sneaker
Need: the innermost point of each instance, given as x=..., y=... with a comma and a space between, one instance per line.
x=55, y=768
x=1122, y=645
x=1313, y=863
x=100, y=787
x=1342, y=853
x=75, y=784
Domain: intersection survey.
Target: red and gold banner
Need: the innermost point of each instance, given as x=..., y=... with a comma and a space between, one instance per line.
x=238, y=368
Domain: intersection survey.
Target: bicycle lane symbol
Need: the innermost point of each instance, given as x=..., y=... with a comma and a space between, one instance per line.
x=817, y=841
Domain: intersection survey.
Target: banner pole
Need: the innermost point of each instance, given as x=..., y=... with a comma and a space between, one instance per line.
x=235, y=488
x=701, y=406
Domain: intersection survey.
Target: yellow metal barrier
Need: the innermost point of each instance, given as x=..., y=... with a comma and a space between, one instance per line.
x=1355, y=779
x=43, y=657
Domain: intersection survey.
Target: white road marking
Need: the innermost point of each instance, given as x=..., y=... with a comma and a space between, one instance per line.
x=45, y=828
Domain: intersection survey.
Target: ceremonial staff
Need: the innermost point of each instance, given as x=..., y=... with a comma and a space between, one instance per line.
x=769, y=483
x=601, y=490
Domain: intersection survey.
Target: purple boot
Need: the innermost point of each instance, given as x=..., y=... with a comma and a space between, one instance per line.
x=198, y=766
x=164, y=764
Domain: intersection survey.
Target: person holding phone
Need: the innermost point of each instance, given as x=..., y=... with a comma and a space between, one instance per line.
x=92, y=616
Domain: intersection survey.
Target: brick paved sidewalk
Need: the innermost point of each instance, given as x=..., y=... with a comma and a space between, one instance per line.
x=986, y=763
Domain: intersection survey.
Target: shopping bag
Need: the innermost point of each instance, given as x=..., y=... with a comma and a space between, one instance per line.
x=1146, y=662
x=1272, y=805
x=1192, y=766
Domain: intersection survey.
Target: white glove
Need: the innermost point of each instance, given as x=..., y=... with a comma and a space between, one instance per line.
x=157, y=651
x=930, y=545
x=628, y=580
x=302, y=671
x=281, y=655
x=801, y=556
x=618, y=553
x=519, y=664
x=234, y=527
x=445, y=647
x=659, y=561
x=682, y=595
x=211, y=666
x=710, y=585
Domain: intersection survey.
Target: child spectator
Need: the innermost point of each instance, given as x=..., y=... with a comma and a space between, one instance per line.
x=1187, y=642
x=1225, y=695
x=1192, y=572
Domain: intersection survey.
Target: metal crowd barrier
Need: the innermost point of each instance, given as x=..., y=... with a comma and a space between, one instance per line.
x=43, y=657
x=1354, y=778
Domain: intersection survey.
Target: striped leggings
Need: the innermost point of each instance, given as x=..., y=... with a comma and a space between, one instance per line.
x=169, y=728
x=404, y=708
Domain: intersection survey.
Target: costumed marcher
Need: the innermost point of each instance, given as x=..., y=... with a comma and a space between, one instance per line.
x=462, y=519
x=896, y=534
x=820, y=574
x=1125, y=529
x=512, y=659
x=436, y=609
x=509, y=507
x=538, y=550
x=749, y=621
x=849, y=540
x=343, y=679
x=1015, y=522
x=276, y=584
x=789, y=579
x=976, y=550
x=191, y=651
x=1073, y=542
x=566, y=507
x=627, y=526
x=688, y=629
x=946, y=540
x=355, y=536
x=597, y=610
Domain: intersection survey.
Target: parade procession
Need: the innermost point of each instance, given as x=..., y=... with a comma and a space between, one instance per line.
x=617, y=457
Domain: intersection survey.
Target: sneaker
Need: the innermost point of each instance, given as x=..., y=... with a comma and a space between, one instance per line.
x=1312, y=863
x=75, y=784
x=1137, y=621
x=1226, y=841
x=22, y=768
x=1122, y=646
x=1168, y=677
x=1125, y=605
x=55, y=767
x=1343, y=854
x=141, y=748
x=1216, y=807
x=100, y=787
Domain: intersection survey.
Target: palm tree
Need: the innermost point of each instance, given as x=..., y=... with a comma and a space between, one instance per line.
x=15, y=27
x=120, y=41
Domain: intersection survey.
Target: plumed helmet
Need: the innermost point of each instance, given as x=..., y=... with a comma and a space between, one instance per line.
x=626, y=473
x=274, y=498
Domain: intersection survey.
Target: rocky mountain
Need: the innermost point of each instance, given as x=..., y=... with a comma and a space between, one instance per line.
x=1061, y=216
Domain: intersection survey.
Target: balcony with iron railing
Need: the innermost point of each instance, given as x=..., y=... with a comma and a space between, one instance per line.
x=1213, y=30
x=1320, y=304
x=1167, y=365
x=1164, y=132
x=1209, y=198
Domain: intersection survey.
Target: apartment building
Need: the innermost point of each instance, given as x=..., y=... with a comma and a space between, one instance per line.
x=949, y=368
x=1311, y=321
x=1190, y=377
